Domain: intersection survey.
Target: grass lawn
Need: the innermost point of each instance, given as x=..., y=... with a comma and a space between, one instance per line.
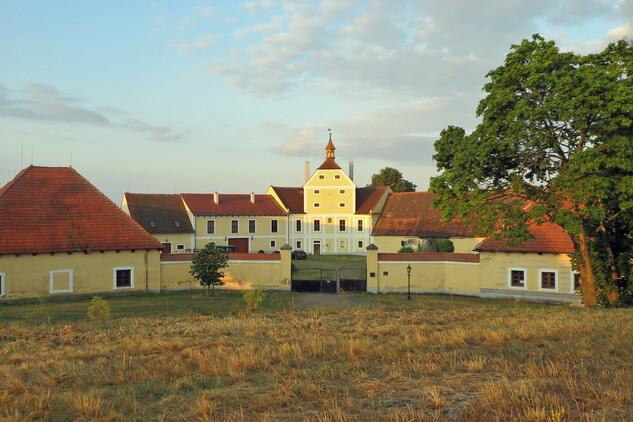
x=179, y=357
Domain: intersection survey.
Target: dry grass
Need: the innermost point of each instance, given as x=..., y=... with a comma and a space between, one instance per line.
x=421, y=361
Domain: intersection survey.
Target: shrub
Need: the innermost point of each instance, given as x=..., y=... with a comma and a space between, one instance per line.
x=445, y=245
x=406, y=249
x=254, y=297
x=99, y=309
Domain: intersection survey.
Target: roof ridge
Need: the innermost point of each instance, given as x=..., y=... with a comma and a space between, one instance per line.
x=13, y=181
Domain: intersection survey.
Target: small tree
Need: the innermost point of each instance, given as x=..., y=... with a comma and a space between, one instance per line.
x=392, y=178
x=445, y=245
x=99, y=309
x=206, y=266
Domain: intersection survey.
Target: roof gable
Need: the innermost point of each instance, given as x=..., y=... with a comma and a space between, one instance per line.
x=159, y=213
x=368, y=199
x=291, y=198
x=54, y=209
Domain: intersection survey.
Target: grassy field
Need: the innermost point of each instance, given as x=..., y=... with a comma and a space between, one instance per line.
x=433, y=358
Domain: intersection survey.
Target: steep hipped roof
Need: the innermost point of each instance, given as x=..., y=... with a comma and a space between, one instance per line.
x=166, y=213
x=54, y=209
x=548, y=238
x=329, y=164
x=366, y=198
x=410, y=214
x=292, y=198
x=232, y=204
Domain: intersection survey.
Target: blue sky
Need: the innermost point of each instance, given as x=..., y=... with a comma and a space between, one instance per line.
x=164, y=97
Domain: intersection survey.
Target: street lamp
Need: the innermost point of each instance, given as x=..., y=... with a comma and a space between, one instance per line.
x=409, y=282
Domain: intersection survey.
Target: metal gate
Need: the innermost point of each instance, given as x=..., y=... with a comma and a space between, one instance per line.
x=329, y=280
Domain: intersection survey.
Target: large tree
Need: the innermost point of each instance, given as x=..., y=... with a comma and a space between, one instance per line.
x=392, y=178
x=555, y=144
x=206, y=266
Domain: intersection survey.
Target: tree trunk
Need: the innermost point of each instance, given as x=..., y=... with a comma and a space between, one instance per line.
x=612, y=296
x=587, y=277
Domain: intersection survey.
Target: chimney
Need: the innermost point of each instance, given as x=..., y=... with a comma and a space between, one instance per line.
x=351, y=170
x=252, y=198
x=216, y=197
x=307, y=170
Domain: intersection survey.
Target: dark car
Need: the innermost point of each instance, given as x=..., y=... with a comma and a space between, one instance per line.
x=299, y=255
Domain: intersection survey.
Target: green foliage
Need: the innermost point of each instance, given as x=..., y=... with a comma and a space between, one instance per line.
x=206, y=267
x=99, y=310
x=254, y=297
x=261, y=251
x=392, y=178
x=557, y=133
x=427, y=249
x=445, y=245
x=406, y=249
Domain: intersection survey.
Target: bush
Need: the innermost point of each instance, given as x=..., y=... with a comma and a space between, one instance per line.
x=99, y=309
x=406, y=249
x=445, y=245
x=254, y=297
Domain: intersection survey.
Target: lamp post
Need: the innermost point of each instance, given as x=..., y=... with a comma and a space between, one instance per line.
x=409, y=282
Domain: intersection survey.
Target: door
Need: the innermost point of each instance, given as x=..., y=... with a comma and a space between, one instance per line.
x=240, y=243
x=166, y=248
x=317, y=248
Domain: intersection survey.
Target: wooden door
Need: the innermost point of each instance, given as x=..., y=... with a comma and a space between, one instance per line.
x=317, y=248
x=240, y=243
x=166, y=248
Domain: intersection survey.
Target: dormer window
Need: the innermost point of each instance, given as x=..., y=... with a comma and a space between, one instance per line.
x=152, y=224
x=388, y=214
x=176, y=223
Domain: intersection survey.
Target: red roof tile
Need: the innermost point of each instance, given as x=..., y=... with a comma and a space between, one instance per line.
x=329, y=164
x=548, y=238
x=54, y=209
x=163, y=210
x=232, y=204
x=368, y=198
x=292, y=198
x=430, y=256
x=410, y=214
x=232, y=256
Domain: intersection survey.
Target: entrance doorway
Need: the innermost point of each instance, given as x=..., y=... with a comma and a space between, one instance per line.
x=317, y=247
x=166, y=248
x=240, y=244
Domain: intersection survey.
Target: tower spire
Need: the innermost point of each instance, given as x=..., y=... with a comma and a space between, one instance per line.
x=329, y=149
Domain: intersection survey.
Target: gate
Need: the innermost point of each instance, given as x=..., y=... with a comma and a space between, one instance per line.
x=329, y=280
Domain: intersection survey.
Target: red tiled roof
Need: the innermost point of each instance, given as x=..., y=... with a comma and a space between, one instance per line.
x=548, y=238
x=163, y=210
x=232, y=204
x=232, y=256
x=367, y=199
x=54, y=209
x=410, y=214
x=292, y=198
x=429, y=256
x=329, y=164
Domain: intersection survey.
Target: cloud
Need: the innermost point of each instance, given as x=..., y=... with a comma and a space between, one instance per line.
x=187, y=22
x=201, y=43
x=46, y=103
x=207, y=12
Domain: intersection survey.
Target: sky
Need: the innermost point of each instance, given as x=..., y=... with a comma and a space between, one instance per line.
x=183, y=97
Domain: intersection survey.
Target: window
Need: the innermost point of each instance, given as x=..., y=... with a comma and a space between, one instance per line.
x=152, y=224
x=321, y=177
x=316, y=191
x=210, y=226
x=176, y=223
x=298, y=244
x=341, y=225
x=342, y=191
x=273, y=243
x=341, y=205
x=317, y=225
x=123, y=278
x=2, y=279
x=337, y=176
x=516, y=278
x=329, y=221
x=360, y=244
x=298, y=225
x=61, y=281
x=385, y=273
x=274, y=226
x=235, y=226
x=547, y=279
x=180, y=247
x=251, y=226
x=575, y=282
x=360, y=225
x=317, y=205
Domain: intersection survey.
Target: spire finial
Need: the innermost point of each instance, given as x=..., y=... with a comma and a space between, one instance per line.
x=329, y=149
